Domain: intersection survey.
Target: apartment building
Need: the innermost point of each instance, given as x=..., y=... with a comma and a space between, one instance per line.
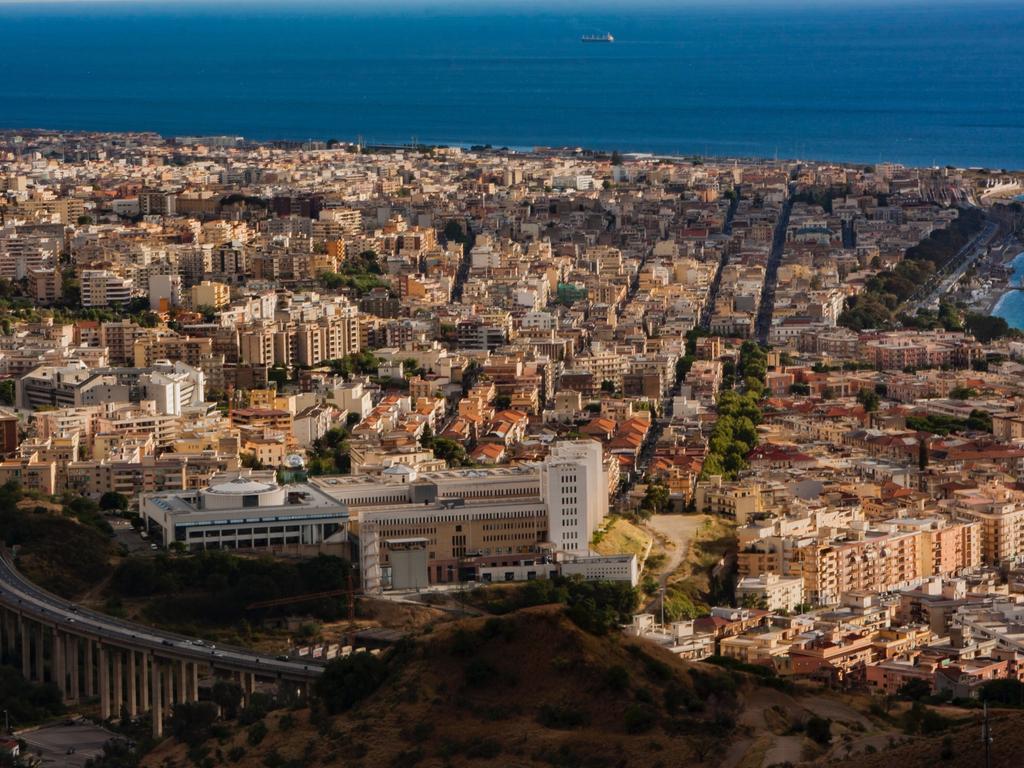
x=1000, y=512
x=101, y=288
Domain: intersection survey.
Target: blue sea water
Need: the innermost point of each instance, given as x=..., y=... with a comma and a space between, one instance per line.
x=920, y=84
x=1011, y=304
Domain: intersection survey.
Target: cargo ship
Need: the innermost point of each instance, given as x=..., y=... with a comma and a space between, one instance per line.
x=605, y=38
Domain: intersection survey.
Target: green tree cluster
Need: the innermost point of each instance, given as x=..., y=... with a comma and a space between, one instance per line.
x=450, y=451
x=329, y=455
x=26, y=702
x=986, y=328
x=349, y=679
x=214, y=587
x=67, y=552
x=886, y=291
x=733, y=436
x=869, y=399
x=939, y=424
x=656, y=500
x=599, y=605
x=363, y=363
x=361, y=274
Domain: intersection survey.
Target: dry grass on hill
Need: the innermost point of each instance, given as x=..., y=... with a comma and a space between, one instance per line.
x=527, y=689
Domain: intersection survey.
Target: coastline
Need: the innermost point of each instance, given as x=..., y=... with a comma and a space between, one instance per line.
x=996, y=307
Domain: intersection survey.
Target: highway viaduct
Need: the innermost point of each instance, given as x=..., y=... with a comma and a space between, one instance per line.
x=132, y=668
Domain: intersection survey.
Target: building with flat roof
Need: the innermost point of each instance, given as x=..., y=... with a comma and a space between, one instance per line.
x=247, y=510
x=554, y=505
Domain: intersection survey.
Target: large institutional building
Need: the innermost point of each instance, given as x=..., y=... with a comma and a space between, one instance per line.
x=414, y=528
x=474, y=519
x=246, y=511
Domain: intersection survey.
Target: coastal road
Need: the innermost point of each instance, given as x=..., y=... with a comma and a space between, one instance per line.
x=963, y=260
x=19, y=594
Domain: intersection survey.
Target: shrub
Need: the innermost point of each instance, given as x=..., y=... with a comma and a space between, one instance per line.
x=639, y=718
x=478, y=672
x=819, y=729
x=485, y=749
x=256, y=733
x=191, y=721
x=616, y=678
x=563, y=717
x=348, y=680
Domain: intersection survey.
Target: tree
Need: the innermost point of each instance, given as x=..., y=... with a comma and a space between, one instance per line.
x=427, y=438
x=191, y=721
x=454, y=233
x=915, y=689
x=656, y=498
x=279, y=375
x=868, y=399
x=450, y=451
x=986, y=328
x=1003, y=692
x=963, y=393
x=112, y=501
x=227, y=696
x=819, y=729
x=608, y=386
x=348, y=680
x=7, y=392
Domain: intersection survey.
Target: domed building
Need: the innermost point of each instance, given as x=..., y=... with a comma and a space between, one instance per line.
x=249, y=510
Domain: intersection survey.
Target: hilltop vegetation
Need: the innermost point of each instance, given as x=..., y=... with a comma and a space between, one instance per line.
x=212, y=589
x=527, y=689
x=64, y=547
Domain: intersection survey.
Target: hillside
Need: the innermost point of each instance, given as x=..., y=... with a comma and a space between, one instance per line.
x=527, y=689
x=958, y=747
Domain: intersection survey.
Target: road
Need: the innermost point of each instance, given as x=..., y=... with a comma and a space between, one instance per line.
x=716, y=282
x=963, y=260
x=21, y=595
x=52, y=743
x=771, y=272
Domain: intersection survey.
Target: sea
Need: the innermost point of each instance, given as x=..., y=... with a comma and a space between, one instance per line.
x=1010, y=306
x=920, y=83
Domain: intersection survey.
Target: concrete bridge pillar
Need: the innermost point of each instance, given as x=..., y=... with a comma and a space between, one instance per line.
x=117, y=657
x=57, y=664
x=144, y=681
x=10, y=636
x=194, y=680
x=167, y=686
x=88, y=667
x=40, y=659
x=133, y=707
x=182, y=669
x=26, y=648
x=72, y=649
x=158, y=699
x=104, y=683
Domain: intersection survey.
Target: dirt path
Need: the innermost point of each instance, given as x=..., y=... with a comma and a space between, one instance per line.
x=676, y=531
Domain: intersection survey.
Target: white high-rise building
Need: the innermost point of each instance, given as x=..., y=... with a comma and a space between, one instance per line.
x=575, y=492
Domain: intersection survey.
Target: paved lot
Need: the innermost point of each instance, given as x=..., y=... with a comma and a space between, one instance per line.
x=126, y=535
x=53, y=743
